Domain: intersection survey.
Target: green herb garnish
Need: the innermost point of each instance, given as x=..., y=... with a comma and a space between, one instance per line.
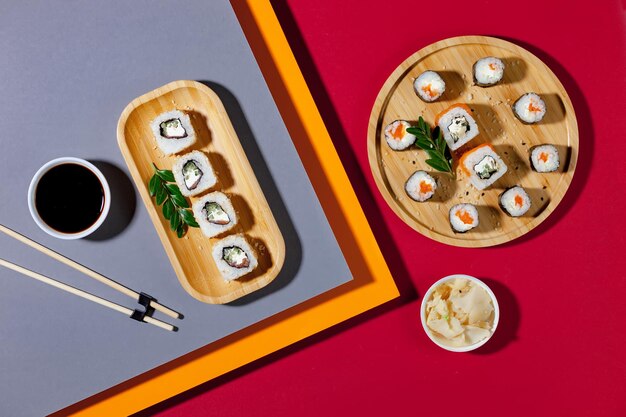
x=434, y=145
x=175, y=206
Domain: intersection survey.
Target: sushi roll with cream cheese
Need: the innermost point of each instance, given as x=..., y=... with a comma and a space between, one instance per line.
x=234, y=257
x=173, y=131
x=515, y=201
x=463, y=217
x=529, y=108
x=420, y=186
x=544, y=158
x=193, y=173
x=214, y=213
x=457, y=125
x=397, y=137
x=488, y=71
x=429, y=86
x=483, y=166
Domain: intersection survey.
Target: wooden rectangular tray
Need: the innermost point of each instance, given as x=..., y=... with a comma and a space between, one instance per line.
x=191, y=255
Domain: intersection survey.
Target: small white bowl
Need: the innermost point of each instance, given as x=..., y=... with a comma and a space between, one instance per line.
x=33, y=187
x=496, y=313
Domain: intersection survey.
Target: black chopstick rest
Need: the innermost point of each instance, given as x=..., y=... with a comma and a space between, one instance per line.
x=148, y=310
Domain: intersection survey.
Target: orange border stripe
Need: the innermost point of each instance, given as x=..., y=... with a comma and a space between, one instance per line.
x=372, y=285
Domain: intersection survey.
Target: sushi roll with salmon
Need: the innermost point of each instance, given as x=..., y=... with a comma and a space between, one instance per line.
x=420, y=186
x=463, y=217
x=193, y=173
x=214, y=213
x=544, y=158
x=429, y=86
x=488, y=71
x=397, y=137
x=234, y=257
x=483, y=166
x=457, y=125
x=173, y=131
x=515, y=201
x=529, y=108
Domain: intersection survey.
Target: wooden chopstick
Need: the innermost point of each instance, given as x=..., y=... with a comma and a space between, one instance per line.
x=89, y=272
x=84, y=294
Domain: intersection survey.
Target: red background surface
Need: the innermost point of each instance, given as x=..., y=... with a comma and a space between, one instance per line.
x=559, y=348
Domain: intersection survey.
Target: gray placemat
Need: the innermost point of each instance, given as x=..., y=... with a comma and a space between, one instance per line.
x=68, y=70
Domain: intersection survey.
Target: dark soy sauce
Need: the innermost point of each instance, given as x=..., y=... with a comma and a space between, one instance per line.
x=69, y=198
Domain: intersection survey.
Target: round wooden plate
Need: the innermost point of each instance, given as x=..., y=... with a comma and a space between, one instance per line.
x=453, y=59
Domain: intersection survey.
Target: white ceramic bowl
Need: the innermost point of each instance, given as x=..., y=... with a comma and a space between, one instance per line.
x=496, y=313
x=33, y=187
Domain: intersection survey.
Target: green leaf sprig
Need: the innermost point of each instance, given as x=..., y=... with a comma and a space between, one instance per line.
x=434, y=145
x=175, y=206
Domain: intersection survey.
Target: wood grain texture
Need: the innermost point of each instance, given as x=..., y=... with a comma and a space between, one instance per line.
x=191, y=255
x=453, y=59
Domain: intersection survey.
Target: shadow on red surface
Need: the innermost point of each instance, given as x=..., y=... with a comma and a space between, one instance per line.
x=509, y=314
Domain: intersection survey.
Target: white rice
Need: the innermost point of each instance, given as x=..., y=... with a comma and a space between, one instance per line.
x=228, y=272
x=529, y=108
x=474, y=160
x=207, y=180
x=208, y=228
x=171, y=146
x=429, y=86
x=463, y=217
x=488, y=71
x=515, y=201
x=544, y=158
x=420, y=186
x=454, y=133
x=404, y=140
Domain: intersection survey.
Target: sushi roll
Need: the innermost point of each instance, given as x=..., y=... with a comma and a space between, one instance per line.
x=544, y=158
x=420, y=186
x=483, y=166
x=234, y=257
x=463, y=217
x=529, y=108
x=397, y=137
x=515, y=201
x=457, y=125
x=193, y=173
x=488, y=71
x=429, y=86
x=214, y=213
x=173, y=131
